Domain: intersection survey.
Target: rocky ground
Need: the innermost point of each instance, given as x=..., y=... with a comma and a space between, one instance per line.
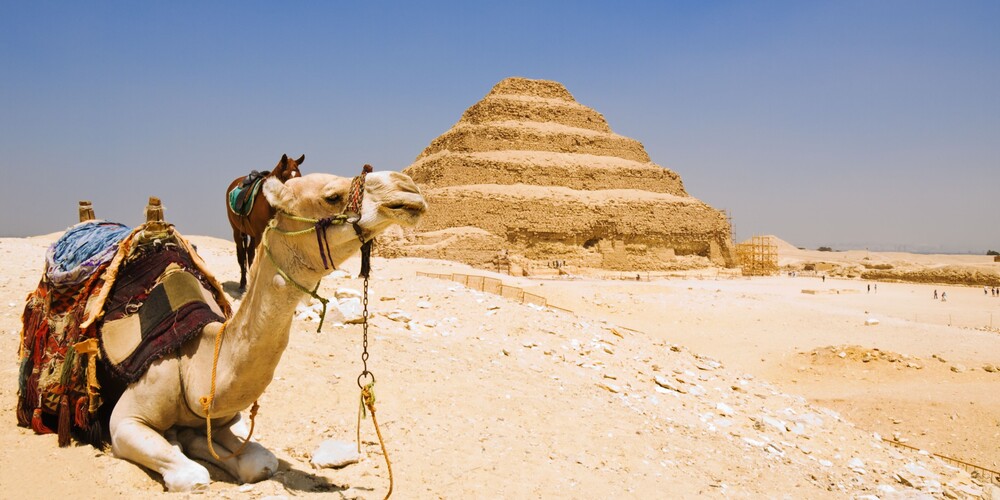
x=481, y=396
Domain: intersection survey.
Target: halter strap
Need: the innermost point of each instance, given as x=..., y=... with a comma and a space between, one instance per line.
x=356, y=197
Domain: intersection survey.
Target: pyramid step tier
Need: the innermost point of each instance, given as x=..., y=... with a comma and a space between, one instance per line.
x=506, y=136
x=534, y=109
x=543, y=168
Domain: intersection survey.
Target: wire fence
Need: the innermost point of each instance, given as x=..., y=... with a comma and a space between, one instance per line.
x=977, y=471
x=978, y=320
x=496, y=287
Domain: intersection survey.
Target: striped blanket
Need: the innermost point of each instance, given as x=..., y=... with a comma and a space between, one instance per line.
x=114, y=307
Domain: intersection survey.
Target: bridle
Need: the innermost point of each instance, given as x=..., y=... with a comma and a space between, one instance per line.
x=351, y=214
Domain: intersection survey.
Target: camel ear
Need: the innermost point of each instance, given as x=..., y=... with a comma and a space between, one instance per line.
x=276, y=192
x=301, y=160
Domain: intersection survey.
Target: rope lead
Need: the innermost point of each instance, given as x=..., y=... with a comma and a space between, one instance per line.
x=368, y=401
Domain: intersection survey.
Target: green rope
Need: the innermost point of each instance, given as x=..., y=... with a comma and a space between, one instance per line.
x=312, y=293
x=273, y=224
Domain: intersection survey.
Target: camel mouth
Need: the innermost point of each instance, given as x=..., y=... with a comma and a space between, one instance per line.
x=405, y=211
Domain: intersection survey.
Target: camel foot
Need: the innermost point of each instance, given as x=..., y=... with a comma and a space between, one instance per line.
x=191, y=477
x=254, y=464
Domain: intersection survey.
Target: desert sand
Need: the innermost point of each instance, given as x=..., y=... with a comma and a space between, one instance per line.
x=677, y=387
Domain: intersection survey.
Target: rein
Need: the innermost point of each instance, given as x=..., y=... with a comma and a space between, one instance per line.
x=319, y=226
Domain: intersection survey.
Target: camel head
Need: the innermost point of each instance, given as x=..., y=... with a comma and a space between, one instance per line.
x=288, y=168
x=389, y=198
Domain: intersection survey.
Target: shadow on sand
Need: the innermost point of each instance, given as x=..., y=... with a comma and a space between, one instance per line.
x=232, y=289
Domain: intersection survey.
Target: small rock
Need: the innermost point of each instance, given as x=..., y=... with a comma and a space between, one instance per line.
x=340, y=273
x=724, y=409
x=609, y=387
x=958, y=368
x=423, y=304
x=667, y=384
x=352, y=311
x=335, y=454
x=397, y=315
x=347, y=293
x=989, y=368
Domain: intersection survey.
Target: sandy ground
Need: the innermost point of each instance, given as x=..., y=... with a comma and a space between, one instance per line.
x=672, y=388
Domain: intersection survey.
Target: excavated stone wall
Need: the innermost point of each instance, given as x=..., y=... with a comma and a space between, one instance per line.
x=533, y=175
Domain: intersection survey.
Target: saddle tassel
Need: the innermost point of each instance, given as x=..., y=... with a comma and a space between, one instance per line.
x=65, y=421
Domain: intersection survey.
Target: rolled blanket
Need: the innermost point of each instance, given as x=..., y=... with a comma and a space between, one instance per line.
x=83, y=249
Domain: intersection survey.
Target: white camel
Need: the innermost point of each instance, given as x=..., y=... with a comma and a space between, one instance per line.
x=165, y=401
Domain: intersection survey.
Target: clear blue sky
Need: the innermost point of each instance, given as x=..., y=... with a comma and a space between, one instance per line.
x=837, y=123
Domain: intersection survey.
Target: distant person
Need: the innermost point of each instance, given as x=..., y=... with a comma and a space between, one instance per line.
x=944, y=297
x=935, y=294
x=876, y=287
x=824, y=278
x=984, y=290
x=869, y=288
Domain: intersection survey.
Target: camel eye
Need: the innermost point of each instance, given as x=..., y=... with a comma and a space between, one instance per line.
x=333, y=200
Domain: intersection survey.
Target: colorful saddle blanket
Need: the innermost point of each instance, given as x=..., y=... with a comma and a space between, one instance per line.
x=241, y=198
x=126, y=312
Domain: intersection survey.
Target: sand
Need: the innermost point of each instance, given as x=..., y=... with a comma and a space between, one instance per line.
x=677, y=387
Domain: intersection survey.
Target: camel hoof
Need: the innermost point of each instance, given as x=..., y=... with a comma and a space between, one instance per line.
x=258, y=465
x=192, y=477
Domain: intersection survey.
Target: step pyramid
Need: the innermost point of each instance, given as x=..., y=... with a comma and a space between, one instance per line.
x=530, y=173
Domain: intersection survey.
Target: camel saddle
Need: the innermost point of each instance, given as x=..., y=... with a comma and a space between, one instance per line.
x=113, y=296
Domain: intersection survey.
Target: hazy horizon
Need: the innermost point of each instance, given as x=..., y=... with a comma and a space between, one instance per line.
x=873, y=124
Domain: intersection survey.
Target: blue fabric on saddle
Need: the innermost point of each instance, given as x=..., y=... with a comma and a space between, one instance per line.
x=241, y=198
x=83, y=249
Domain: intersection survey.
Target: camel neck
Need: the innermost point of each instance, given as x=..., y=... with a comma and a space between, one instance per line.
x=258, y=333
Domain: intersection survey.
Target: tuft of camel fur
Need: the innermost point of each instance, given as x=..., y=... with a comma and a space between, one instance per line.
x=159, y=423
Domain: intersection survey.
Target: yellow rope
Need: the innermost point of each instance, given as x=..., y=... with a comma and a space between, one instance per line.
x=206, y=404
x=368, y=400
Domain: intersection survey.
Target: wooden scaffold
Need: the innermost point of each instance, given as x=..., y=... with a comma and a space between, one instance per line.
x=758, y=257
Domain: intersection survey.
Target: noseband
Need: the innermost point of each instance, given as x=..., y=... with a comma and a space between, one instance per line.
x=351, y=213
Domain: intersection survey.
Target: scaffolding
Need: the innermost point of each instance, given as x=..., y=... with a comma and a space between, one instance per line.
x=758, y=257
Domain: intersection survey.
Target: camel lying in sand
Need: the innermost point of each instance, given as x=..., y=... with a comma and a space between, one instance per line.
x=165, y=400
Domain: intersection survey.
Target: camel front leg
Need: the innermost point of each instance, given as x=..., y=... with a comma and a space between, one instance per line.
x=255, y=463
x=134, y=440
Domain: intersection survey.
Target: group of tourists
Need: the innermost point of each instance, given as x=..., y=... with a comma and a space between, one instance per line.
x=995, y=291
